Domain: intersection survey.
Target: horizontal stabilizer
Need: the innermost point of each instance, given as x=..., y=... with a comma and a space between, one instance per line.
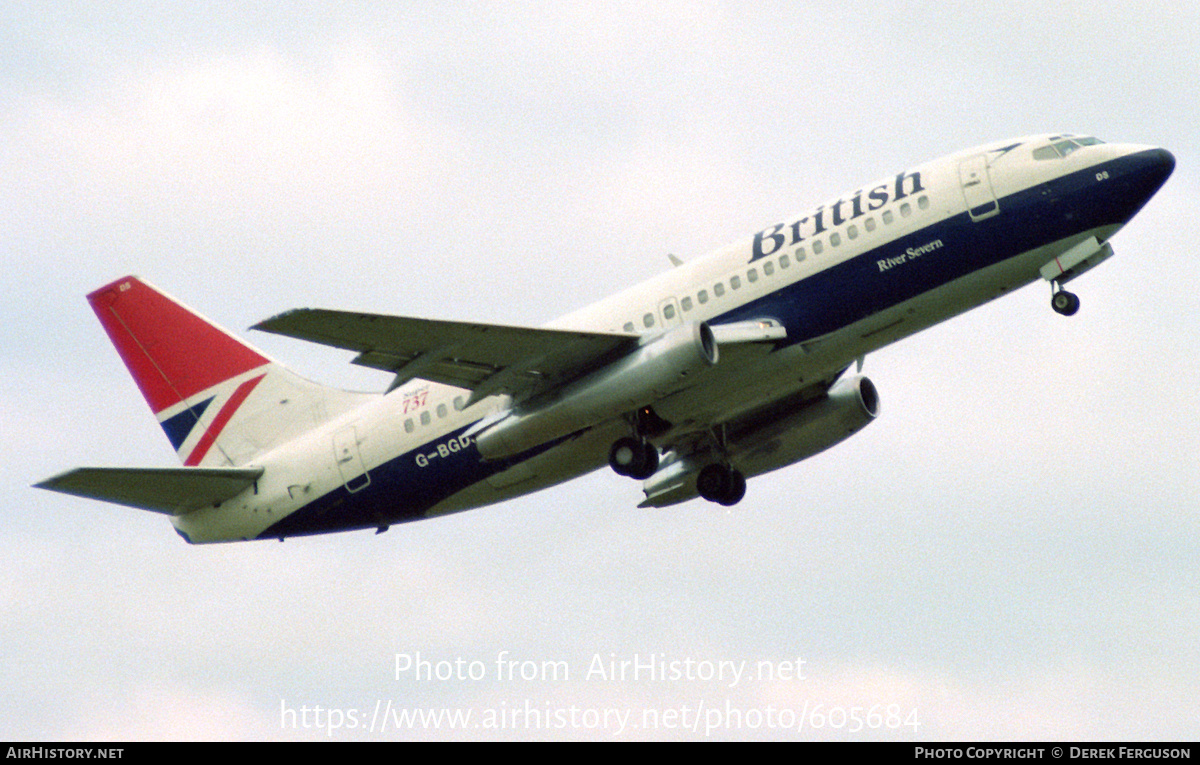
x=173, y=491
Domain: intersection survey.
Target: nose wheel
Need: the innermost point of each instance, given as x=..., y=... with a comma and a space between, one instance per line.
x=1065, y=303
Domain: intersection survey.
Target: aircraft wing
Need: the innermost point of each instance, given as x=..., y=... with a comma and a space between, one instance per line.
x=484, y=358
x=173, y=491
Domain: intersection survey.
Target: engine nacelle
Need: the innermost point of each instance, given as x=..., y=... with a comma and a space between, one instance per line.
x=657, y=369
x=849, y=406
x=784, y=437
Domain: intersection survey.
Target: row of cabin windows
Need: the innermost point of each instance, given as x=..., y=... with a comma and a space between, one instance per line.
x=426, y=418
x=818, y=247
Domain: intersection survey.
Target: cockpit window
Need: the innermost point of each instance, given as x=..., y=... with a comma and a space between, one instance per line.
x=1066, y=147
x=1063, y=146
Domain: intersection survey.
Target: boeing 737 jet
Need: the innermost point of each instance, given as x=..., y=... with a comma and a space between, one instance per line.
x=718, y=370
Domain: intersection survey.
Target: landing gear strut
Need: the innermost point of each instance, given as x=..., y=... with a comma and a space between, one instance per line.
x=721, y=484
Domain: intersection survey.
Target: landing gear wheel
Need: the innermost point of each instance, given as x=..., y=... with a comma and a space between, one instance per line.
x=634, y=458
x=1065, y=303
x=648, y=464
x=721, y=484
x=623, y=455
x=737, y=489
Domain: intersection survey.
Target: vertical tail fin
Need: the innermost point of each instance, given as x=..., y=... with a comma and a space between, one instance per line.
x=219, y=400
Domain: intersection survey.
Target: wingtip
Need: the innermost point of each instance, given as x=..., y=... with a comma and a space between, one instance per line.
x=270, y=323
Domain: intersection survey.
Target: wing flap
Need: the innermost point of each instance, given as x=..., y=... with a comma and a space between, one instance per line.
x=173, y=491
x=516, y=360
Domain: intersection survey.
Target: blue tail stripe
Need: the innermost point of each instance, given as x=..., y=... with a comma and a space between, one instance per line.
x=178, y=426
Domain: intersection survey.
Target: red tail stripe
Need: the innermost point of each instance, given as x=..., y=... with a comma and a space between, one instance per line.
x=222, y=419
x=172, y=353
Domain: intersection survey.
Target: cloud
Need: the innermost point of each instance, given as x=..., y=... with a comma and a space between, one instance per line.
x=1005, y=550
x=170, y=712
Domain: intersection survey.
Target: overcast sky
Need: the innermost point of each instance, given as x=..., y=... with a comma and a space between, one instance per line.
x=1009, y=552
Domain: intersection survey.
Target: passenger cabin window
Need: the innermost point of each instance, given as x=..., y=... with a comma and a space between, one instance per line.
x=628, y=326
x=818, y=248
x=648, y=320
x=686, y=304
x=669, y=311
x=752, y=274
x=869, y=224
x=735, y=282
x=923, y=202
x=409, y=425
x=852, y=232
x=783, y=261
x=768, y=268
x=835, y=239
x=441, y=411
x=888, y=217
x=425, y=418
x=719, y=289
x=702, y=296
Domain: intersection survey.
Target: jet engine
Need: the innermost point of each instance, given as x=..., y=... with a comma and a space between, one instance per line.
x=767, y=440
x=849, y=406
x=660, y=367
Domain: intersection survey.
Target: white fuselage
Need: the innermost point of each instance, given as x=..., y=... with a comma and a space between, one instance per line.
x=845, y=278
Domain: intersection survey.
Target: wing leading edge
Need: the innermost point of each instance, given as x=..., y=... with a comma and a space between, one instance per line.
x=483, y=358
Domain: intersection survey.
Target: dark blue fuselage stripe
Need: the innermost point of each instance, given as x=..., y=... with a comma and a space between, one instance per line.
x=402, y=490
x=858, y=288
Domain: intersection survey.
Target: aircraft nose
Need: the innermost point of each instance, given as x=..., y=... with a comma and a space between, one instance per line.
x=1161, y=163
x=1149, y=170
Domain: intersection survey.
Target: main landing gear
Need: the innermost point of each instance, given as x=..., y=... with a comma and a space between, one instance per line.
x=1063, y=302
x=722, y=484
x=633, y=457
x=636, y=457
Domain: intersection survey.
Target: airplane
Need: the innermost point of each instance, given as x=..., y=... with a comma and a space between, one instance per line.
x=720, y=369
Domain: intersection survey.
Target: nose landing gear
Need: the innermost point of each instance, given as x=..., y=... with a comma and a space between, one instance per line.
x=1079, y=259
x=1063, y=302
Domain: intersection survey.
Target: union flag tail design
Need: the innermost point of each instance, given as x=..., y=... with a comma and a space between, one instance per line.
x=220, y=401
